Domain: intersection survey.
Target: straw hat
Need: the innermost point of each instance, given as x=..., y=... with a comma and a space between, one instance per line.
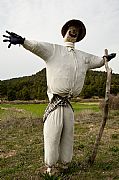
x=74, y=22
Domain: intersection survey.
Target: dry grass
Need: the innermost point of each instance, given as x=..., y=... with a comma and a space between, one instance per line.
x=22, y=147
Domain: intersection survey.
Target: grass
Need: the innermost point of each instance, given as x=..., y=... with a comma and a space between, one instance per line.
x=21, y=150
x=38, y=109
x=82, y=106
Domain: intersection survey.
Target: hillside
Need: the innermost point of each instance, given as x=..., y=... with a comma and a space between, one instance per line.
x=35, y=86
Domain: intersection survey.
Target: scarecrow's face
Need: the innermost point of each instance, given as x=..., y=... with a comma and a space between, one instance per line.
x=71, y=34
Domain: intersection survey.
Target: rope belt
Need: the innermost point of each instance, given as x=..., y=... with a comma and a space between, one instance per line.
x=56, y=102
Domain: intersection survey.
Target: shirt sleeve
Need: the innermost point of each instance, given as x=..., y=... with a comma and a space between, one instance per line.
x=42, y=49
x=94, y=61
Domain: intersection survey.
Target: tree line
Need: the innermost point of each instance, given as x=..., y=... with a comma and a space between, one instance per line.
x=35, y=86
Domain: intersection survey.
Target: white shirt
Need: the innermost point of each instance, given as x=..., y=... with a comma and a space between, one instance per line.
x=66, y=66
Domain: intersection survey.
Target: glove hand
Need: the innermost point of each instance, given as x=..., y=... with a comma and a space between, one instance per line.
x=13, y=39
x=110, y=56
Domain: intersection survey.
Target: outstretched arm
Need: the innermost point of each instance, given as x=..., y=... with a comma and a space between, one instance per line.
x=97, y=62
x=41, y=49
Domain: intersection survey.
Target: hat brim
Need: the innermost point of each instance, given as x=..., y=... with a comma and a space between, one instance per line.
x=77, y=23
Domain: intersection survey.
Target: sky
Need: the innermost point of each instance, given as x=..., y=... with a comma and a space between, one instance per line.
x=42, y=20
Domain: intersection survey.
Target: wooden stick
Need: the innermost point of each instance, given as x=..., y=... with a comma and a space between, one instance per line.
x=106, y=109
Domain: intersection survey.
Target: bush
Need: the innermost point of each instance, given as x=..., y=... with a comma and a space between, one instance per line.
x=113, y=102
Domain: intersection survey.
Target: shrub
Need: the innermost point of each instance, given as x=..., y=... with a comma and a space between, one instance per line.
x=113, y=102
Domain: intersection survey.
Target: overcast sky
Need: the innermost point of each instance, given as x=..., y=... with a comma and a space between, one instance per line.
x=42, y=20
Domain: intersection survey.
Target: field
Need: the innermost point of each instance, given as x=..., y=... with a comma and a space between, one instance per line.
x=21, y=149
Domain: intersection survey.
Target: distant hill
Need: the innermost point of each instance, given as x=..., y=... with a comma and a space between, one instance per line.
x=35, y=86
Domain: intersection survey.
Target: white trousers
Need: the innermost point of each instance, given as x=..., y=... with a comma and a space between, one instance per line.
x=58, y=136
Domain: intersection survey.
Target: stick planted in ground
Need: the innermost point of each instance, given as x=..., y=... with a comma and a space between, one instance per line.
x=105, y=113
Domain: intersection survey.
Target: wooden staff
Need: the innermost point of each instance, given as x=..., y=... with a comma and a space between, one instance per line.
x=106, y=109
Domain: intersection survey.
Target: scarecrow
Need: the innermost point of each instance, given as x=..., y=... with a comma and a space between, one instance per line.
x=66, y=69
